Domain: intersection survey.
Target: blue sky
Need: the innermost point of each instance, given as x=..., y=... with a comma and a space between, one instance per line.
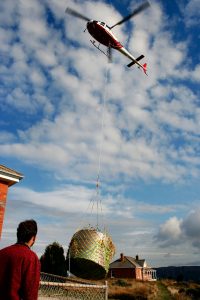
x=56, y=89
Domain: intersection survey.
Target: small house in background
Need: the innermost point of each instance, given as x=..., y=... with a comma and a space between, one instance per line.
x=129, y=267
x=8, y=177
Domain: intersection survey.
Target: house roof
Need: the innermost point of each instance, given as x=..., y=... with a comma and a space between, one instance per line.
x=9, y=175
x=128, y=262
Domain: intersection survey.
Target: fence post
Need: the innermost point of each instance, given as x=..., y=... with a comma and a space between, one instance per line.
x=106, y=293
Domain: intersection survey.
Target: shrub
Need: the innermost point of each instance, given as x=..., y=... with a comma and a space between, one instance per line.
x=53, y=260
x=121, y=282
x=194, y=293
x=181, y=290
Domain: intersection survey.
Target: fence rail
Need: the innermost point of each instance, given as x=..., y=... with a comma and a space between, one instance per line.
x=54, y=287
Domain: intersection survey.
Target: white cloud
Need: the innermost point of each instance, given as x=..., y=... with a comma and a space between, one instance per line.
x=18, y=52
x=37, y=77
x=191, y=225
x=196, y=73
x=6, y=36
x=55, y=82
x=62, y=211
x=6, y=137
x=170, y=232
x=20, y=99
x=79, y=199
x=69, y=199
x=38, y=152
x=46, y=57
x=178, y=231
x=191, y=12
x=8, y=12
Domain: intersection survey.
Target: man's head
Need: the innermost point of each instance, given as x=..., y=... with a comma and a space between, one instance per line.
x=26, y=232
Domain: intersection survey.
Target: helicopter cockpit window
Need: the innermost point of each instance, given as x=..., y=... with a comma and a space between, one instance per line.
x=102, y=23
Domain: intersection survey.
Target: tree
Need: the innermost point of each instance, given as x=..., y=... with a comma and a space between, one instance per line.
x=53, y=260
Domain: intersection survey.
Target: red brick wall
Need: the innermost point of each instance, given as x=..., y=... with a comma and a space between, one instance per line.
x=138, y=273
x=3, y=197
x=125, y=273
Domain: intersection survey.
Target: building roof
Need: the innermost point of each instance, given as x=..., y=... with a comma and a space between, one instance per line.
x=128, y=262
x=10, y=176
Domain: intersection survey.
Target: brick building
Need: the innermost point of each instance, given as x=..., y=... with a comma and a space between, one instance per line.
x=8, y=177
x=129, y=267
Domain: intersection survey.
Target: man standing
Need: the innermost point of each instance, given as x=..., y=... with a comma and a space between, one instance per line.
x=20, y=266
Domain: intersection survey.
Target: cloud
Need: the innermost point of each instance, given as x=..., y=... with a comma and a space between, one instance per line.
x=57, y=92
x=196, y=74
x=46, y=57
x=191, y=227
x=61, y=212
x=170, y=232
x=191, y=12
x=77, y=198
x=63, y=85
x=30, y=14
x=6, y=137
x=177, y=231
x=7, y=12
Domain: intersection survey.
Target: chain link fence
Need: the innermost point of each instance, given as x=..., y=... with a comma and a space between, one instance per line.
x=54, y=287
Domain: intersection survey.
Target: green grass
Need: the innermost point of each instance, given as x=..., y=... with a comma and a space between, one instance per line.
x=163, y=293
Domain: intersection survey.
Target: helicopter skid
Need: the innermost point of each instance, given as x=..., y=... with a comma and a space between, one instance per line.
x=93, y=43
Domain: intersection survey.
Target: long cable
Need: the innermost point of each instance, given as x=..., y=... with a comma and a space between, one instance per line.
x=95, y=199
x=98, y=200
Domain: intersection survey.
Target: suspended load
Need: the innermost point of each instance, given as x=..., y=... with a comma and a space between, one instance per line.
x=89, y=254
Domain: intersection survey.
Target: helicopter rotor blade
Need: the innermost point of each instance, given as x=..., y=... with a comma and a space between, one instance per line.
x=138, y=10
x=76, y=14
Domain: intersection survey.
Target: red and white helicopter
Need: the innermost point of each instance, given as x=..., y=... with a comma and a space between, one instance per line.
x=103, y=34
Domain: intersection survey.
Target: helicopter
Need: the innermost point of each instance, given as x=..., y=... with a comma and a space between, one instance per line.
x=103, y=34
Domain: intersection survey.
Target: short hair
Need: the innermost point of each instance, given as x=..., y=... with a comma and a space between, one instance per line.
x=26, y=230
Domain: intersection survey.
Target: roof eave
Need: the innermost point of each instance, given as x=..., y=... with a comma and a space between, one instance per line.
x=10, y=178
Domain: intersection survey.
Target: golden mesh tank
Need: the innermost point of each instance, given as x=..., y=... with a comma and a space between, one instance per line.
x=89, y=253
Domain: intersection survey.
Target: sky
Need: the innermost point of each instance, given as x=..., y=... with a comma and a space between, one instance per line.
x=69, y=116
